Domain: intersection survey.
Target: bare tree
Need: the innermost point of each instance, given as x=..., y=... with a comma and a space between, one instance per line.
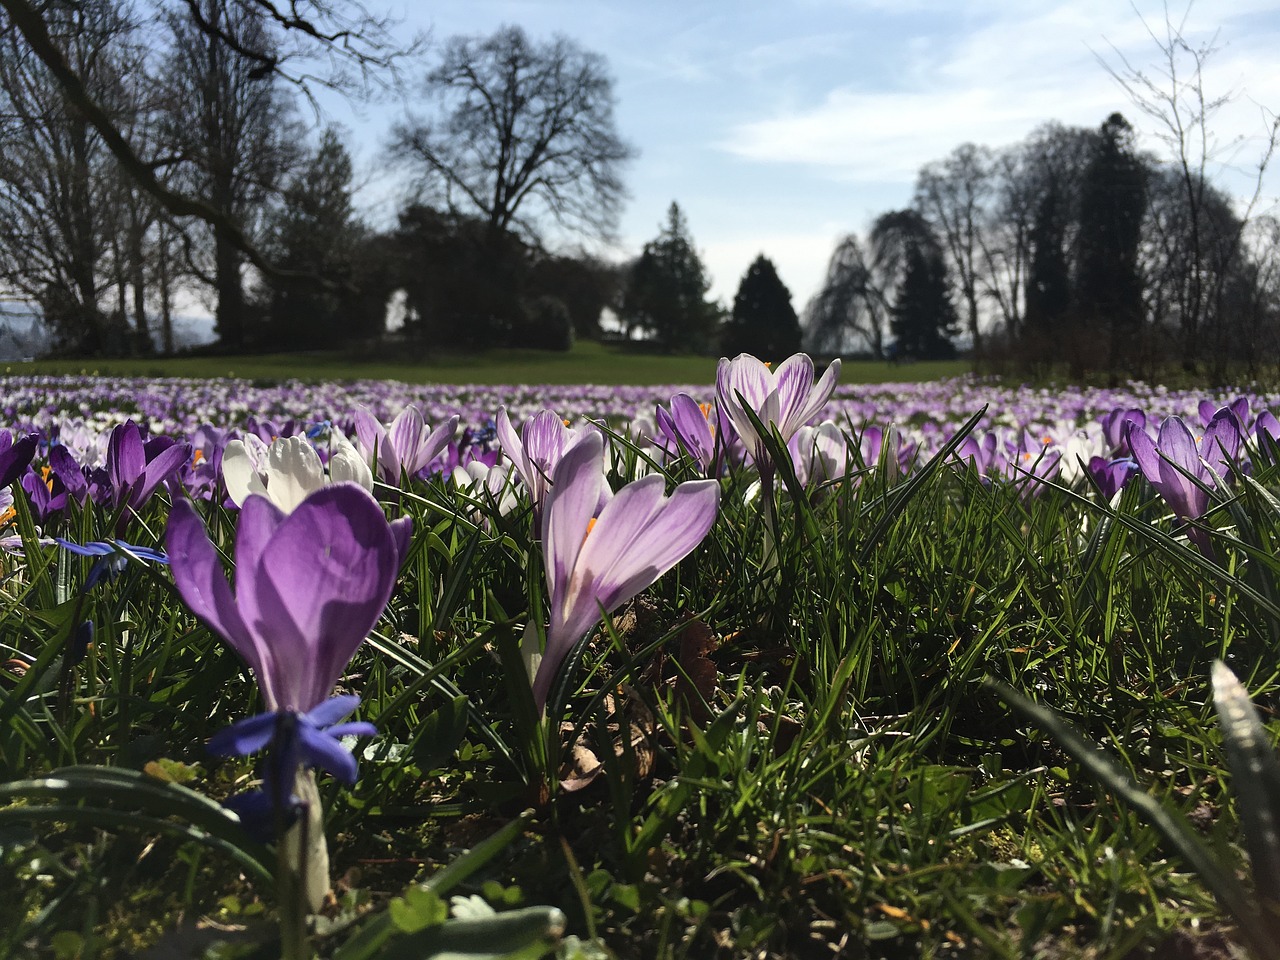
x=953, y=195
x=525, y=131
x=232, y=129
x=59, y=209
x=338, y=45
x=1171, y=93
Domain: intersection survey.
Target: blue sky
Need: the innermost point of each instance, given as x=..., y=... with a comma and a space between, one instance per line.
x=778, y=127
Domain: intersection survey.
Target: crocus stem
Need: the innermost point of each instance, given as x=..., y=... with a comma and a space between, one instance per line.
x=290, y=893
x=767, y=474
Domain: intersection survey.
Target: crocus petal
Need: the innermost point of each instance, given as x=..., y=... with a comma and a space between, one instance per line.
x=125, y=457
x=158, y=470
x=15, y=458
x=509, y=441
x=294, y=470
x=578, y=478
x=793, y=380
x=406, y=434
x=1144, y=451
x=817, y=397
x=687, y=426
x=356, y=728
x=377, y=446
x=1268, y=424
x=402, y=534
x=1180, y=457
x=198, y=576
x=321, y=584
x=1220, y=446
x=347, y=466
x=238, y=473
x=435, y=441
x=68, y=471
x=259, y=520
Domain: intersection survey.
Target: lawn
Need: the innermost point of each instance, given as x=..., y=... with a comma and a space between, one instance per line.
x=798, y=732
x=587, y=362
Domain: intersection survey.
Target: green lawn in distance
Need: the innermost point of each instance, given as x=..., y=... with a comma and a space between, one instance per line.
x=587, y=362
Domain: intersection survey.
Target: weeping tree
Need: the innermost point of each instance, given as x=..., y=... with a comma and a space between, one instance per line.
x=849, y=311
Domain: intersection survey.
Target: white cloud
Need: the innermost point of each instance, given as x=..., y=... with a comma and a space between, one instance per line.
x=993, y=84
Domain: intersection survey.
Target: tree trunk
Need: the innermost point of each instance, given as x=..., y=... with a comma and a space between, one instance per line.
x=230, y=313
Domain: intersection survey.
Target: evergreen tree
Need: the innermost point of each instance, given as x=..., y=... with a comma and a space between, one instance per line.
x=763, y=322
x=316, y=232
x=666, y=291
x=1113, y=201
x=1048, y=287
x=924, y=317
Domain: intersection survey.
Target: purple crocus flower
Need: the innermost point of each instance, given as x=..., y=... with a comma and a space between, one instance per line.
x=48, y=496
x=1115, y=427
x=535, y=452
x=1180, y=467
x=596, y=563
x=785, y=399
x=82, y=483
x=987, y=456
x=406, y=446
x=137, y=468
x=1112, y=475
x=310, y=585
x=687, y=427
x=1237, y=408
x=15, y=456
x=1266, y=424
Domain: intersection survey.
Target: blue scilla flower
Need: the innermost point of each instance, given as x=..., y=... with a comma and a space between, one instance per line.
x=113, y=556
x=312, y=739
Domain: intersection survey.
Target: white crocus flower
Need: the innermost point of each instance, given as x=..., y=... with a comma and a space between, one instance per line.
x=488, y=484
x=288, y=470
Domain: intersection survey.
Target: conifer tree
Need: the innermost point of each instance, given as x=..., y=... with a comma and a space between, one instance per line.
x=763, y=322
x=1113, y=201
x=666, y=291
x=924, y=317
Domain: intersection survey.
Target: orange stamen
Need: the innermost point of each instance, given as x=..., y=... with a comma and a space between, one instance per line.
x=197, y=456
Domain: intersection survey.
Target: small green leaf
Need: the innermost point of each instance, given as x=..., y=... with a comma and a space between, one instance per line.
x=417, y=910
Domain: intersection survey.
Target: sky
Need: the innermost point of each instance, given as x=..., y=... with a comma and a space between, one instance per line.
x=781, y=126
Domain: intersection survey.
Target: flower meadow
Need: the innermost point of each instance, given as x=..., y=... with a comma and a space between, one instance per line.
x=770, y=667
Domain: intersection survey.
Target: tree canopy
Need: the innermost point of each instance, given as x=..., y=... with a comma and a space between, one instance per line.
x=524, y=132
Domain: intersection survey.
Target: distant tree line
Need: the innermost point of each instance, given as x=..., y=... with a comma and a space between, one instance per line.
x=1071, y=247
x=148, y=154
x=156, y=149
